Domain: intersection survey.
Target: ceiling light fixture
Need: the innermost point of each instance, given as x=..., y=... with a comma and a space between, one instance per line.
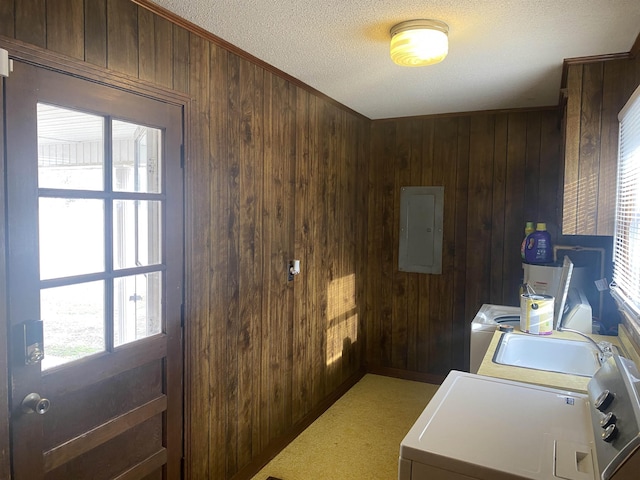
x=416, y=43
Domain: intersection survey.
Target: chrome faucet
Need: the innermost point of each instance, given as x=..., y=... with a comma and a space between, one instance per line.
x=604, y=348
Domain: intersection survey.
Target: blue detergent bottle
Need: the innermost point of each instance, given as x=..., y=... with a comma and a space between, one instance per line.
x=537, y=249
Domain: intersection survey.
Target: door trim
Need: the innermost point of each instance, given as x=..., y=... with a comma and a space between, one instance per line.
x=71, y=66
x=47, y=59
x=5, y=452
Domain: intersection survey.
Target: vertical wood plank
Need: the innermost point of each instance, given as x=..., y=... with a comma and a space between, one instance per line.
x=214, y=62
x=155, y=45
x=146, y=45
x=163, y=52
x=180, y=57
x=572, y=150
x=200, y=354
x=318, y=229
x=514, y=213
x=416, y=155
x=479, y=213
x=65, y=27
x=30, y=22
x=277, y=211
x=589, y=148
x=362, y=167
x=550, y=178
x=230, y=284
x=257, y=328
x=374, y=246
x=303, y=250
x=401, y=280
x=443, y=335
x=384, y=215
x=328, y=245
x=461, y=225
x=614, y=96
x=498, y=204
x=248, y=124
x=95, y=28
x=122, y=36
x=289, y=243
x=7, y=18
x=532, y=193
x=424, y=311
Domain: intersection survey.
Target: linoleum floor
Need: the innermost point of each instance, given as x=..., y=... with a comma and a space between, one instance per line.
x=358, y=437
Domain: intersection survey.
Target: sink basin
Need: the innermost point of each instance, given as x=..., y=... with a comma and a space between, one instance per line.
x=549, y=354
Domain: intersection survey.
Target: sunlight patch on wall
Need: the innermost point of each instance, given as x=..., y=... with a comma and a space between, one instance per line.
x=342, y=327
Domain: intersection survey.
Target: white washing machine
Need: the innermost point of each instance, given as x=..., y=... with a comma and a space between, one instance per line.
x=486, y=428
x=484, y=325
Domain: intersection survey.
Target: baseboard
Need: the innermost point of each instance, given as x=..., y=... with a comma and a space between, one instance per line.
x=406, y=374
x=277, y=445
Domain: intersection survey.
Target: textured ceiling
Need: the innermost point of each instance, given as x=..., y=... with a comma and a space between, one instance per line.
x=502, y=53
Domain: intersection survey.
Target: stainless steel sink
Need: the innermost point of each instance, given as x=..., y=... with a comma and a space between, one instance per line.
x=547, y=353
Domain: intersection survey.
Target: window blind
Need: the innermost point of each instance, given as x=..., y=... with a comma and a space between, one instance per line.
x=626, y=253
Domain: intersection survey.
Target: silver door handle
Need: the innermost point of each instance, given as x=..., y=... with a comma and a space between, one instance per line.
x=34, y=403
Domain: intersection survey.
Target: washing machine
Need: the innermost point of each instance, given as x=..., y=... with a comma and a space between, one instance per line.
x=483, y=326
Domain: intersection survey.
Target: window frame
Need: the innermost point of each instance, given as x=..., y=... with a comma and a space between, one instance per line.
x=626, y=230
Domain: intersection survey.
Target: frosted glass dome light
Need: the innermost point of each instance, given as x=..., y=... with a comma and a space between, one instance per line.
x=416, y=43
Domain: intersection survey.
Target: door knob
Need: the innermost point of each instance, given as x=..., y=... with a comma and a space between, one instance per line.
x=34, y=403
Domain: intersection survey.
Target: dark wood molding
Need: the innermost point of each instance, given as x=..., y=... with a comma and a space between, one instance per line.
x=592, y=59
x=201, y=32
x=406, y=374
x=276, y=446
x=468, y=114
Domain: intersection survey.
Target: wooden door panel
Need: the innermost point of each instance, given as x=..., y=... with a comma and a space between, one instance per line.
x=127, y=391
x=115, y=456
x=117, y=413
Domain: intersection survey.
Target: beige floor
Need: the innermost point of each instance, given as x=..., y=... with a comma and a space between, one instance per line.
x=358, y=437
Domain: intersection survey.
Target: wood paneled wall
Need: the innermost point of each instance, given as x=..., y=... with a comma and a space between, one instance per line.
x=277, y=172
x=498, y=170
x=596, y=92
x=274, y=173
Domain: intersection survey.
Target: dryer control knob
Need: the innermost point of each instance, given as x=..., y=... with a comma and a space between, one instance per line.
x=610, y=433
x=608, y=419
x=604, y=400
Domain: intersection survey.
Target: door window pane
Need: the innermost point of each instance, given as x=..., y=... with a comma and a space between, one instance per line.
x=137, y=162
x=136, y=233
x=70, y=149
x=137, y=307
x=71, y=237
x=73, y=320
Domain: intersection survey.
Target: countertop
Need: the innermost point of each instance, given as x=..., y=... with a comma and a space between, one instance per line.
x=573, y=383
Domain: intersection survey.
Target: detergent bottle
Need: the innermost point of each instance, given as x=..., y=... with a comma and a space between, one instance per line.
x=528, y=230
x=537, y=248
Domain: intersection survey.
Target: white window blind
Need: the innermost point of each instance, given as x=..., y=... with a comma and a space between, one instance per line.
x=626, y=255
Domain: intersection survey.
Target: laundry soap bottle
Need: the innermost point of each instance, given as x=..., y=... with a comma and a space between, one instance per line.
x=528, y=230
x=537, y=247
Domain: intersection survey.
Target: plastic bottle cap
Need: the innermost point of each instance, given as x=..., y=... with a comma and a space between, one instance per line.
x=541, y=226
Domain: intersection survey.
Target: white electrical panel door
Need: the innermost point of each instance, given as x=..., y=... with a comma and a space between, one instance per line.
x=421, y=217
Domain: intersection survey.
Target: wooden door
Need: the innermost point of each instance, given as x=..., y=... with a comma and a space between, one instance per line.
x=95, y=261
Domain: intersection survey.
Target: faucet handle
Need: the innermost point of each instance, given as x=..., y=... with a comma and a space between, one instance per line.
x=607, y=348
